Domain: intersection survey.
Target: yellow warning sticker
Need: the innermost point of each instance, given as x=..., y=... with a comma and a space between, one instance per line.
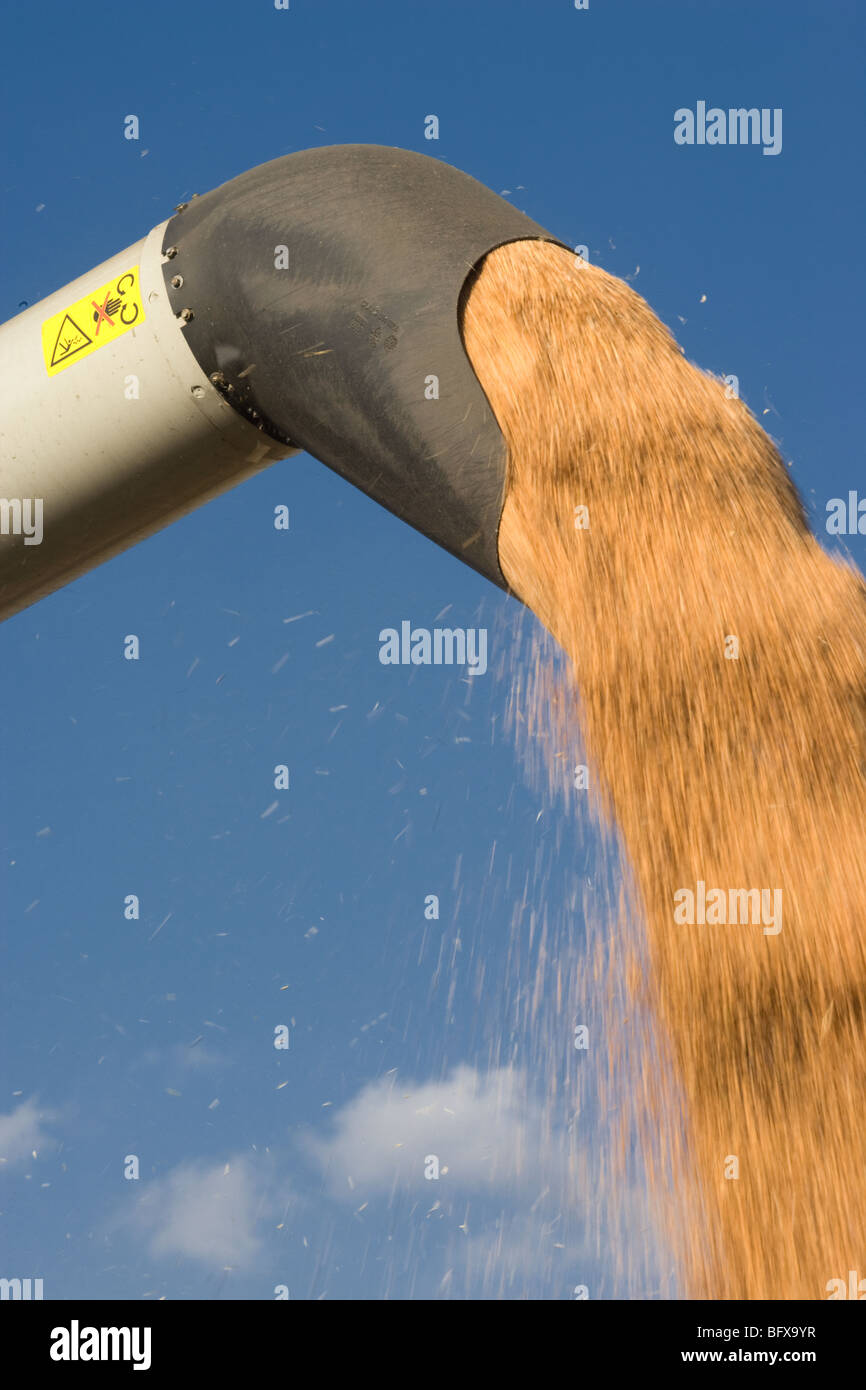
x=89, y=323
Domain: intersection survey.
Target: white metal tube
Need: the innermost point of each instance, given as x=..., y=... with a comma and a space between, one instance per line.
x=107, y=432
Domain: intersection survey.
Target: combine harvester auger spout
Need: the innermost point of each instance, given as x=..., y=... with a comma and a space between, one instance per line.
x=311, y=303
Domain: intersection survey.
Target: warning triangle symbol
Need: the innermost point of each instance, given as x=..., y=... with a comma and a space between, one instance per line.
x=70, y=339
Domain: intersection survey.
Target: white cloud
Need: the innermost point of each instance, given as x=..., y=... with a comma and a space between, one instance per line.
x=527, y=1200
x=206, y=1212
x=486, y=1129
x=21, y=1131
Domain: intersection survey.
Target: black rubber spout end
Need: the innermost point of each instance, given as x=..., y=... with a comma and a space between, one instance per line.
x=324, y=290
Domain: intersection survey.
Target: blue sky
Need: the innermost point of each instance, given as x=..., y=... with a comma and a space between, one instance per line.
x=408, y=1037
